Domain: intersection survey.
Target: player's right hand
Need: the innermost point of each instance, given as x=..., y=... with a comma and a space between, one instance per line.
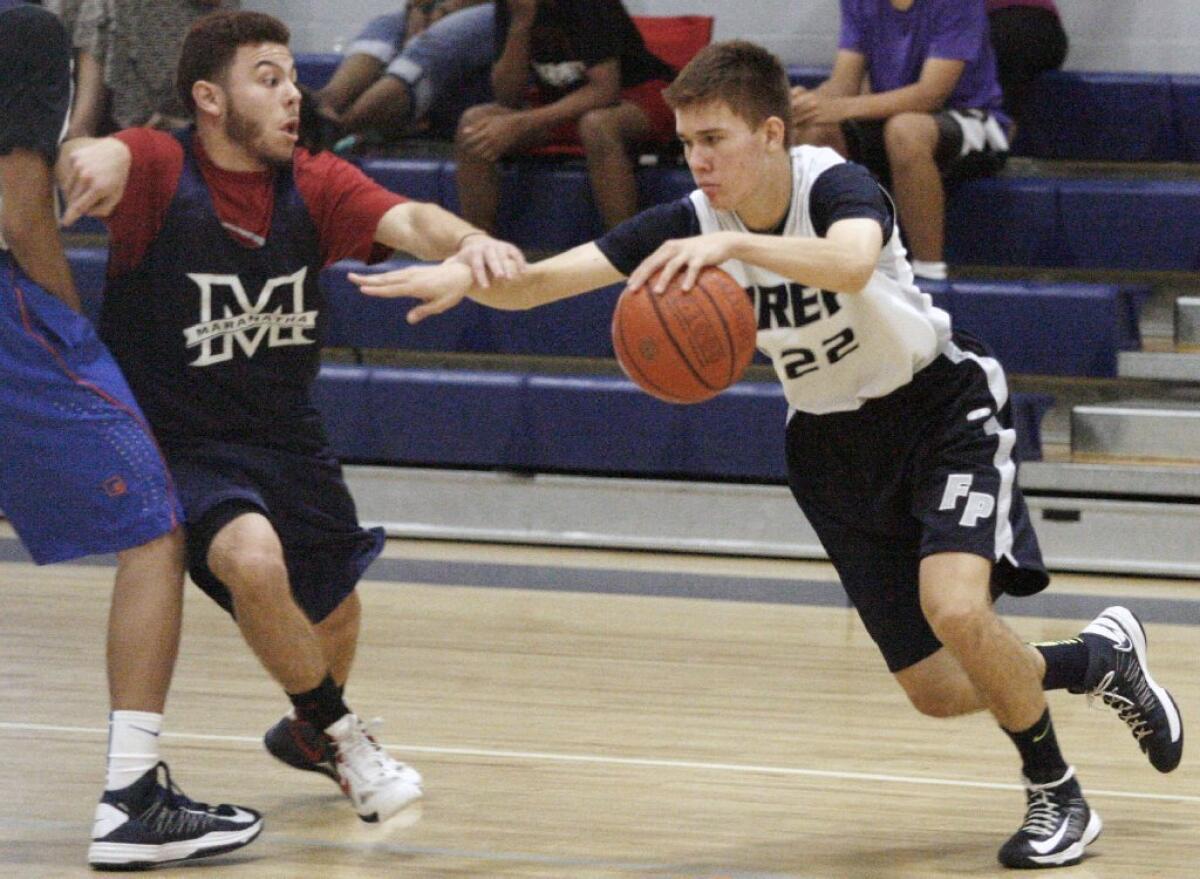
x=93, y=177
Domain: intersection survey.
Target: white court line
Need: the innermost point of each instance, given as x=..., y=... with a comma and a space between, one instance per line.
x=648, y=762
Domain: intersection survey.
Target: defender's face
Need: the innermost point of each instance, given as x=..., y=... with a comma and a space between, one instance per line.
x=727, y=158
x=263, y=115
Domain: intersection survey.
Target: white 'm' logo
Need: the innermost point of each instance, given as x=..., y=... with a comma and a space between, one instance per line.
x=979, y=505
x=215, y=335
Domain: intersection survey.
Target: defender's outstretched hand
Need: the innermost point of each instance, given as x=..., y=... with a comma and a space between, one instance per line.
x=438, y=287
x=489, y=258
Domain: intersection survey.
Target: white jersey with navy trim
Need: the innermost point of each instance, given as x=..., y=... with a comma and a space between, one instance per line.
x=833, y=352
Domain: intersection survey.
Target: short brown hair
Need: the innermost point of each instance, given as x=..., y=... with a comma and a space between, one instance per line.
x=210, y=45
x=746, y=77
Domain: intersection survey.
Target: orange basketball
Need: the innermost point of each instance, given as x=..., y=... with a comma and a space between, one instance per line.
x=685, y=347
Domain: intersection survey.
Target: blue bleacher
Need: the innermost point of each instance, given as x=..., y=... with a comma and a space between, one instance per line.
x=1034, y=327
x=1099, y=116
x=1082, y=223
x=1080, y=115
x=583, y=424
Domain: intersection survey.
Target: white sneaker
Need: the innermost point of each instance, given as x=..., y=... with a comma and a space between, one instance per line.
x=378, y=785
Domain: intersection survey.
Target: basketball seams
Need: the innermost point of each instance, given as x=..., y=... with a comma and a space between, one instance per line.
x=628, y=363
x=667, y=329
x=729, y=341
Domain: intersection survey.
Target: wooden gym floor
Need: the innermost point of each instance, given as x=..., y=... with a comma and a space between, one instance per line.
x=593, y=714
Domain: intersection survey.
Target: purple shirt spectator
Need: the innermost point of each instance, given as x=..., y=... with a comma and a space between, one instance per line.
x=896, y=45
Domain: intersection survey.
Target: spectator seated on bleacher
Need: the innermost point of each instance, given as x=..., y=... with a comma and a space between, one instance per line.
x=125, y=54
x=1029, y=40
x=412, y=71
x=596, y=84
x=932, y=113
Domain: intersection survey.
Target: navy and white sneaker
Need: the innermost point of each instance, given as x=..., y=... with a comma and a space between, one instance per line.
x=1058, y=826
x=153, y=822
x=378, y=785
x=1119, y=676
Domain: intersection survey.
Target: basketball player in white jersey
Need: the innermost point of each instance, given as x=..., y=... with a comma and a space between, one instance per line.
x=899, y=441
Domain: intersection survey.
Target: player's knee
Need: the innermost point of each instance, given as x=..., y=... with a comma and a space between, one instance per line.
x=248, y=571
x=959, y=625
x=934, y=702
x=909, y=138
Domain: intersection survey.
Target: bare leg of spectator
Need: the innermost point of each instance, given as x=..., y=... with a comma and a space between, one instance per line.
x=607, y=136
x=385, y=107
x=910, y=139
x=351, y=79
x=478, y=179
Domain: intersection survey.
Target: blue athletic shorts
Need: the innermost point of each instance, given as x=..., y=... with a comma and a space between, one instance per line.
x=304, y=497
x=927, y=469
x=80, y=472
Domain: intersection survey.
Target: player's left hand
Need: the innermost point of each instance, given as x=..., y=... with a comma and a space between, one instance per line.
x=687, y=255
x=439, y=287
x=93, y=178
x=488, y=258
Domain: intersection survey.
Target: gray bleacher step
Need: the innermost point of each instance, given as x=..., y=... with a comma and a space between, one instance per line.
x=1187, y=323
x=1137, y=430
x=1170, y=366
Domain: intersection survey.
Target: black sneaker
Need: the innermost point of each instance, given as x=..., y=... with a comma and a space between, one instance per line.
x=1058, y=826
x=152, y=822
x=1117, y=674
x=301, y=745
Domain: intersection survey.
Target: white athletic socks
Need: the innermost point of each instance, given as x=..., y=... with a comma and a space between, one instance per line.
x=933, y=271
x=132, y=746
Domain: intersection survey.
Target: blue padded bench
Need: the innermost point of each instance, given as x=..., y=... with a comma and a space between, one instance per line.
x=314, y=69
x=582, y=424
x=1039, y=328
x=1046, y=329
x=1075, y=223
x=1021, y=221
x=1098, y=116
x=1185, y=104
x=1078, y=115
x=1130, y=224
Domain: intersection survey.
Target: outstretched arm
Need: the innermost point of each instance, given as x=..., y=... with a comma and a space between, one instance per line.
x=428, y=231
x=441, y=287
x=841, y=262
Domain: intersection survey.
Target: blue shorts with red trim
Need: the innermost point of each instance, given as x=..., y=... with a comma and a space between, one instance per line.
x=80, y=472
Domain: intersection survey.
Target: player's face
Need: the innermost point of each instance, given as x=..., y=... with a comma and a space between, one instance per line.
x=727, y=158
x=263, y=114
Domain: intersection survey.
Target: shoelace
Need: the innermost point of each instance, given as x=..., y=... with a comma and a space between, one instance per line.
x=360, y=750
x=1042, y=813
x=173, y=813
x=1126, y=708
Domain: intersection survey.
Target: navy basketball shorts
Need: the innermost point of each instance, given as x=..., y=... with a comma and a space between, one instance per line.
x=304, y=497
x=80, y=472
x=971, y=143
x=927, y=469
